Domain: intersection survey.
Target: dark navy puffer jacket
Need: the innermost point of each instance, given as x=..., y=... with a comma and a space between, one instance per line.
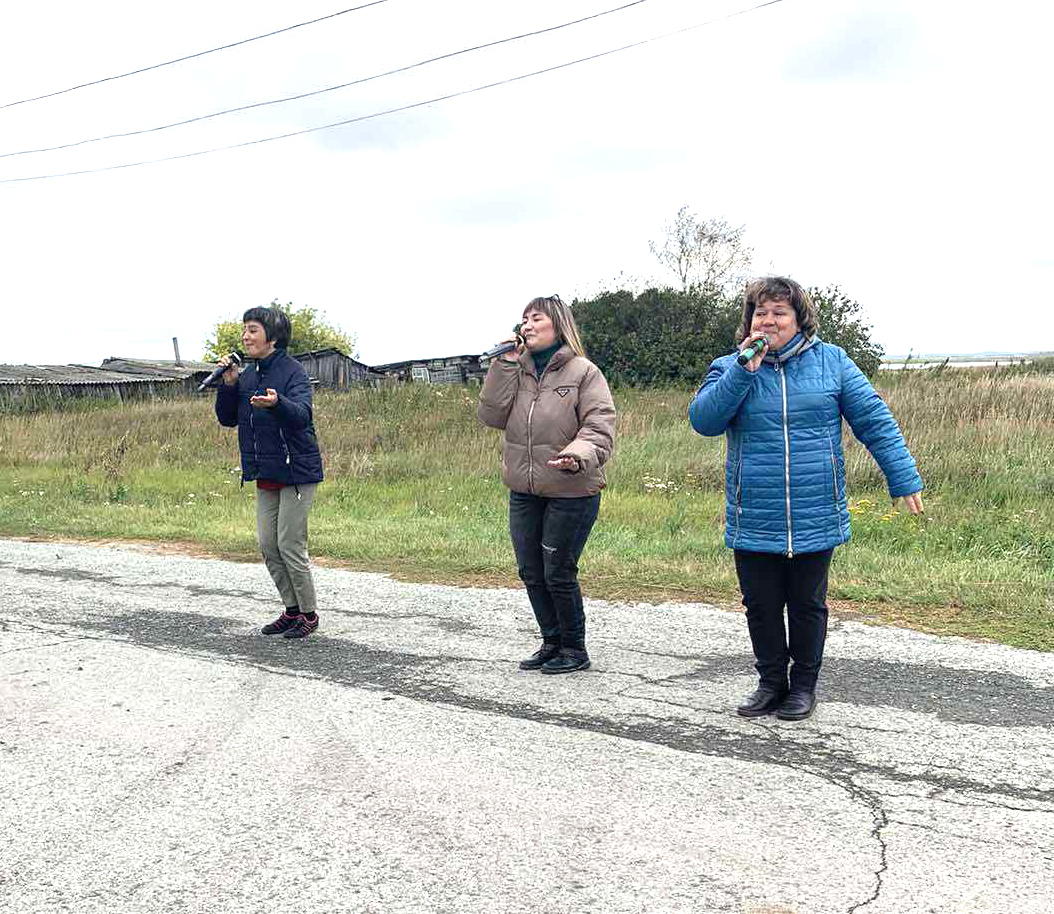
x=785, y=471
x=277, y=443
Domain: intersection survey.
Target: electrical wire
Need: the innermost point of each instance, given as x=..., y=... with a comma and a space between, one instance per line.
x=355, y=82
x=401, y=108
x=168, y=63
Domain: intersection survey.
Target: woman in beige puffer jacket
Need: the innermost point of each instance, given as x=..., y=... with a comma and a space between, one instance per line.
x=559, y=421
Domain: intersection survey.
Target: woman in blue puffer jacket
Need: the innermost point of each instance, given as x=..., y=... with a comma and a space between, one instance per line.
x=271, y=405
x=785, y=498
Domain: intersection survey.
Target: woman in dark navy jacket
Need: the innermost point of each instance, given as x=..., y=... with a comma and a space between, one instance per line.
x=785, y=497
x=270, y=403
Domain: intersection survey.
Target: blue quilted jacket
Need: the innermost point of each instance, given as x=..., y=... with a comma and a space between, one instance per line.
x=785, y=470
x=279, y=443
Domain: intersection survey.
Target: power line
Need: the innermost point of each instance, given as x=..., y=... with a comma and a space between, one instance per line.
x=355, y=82
x=421, y=104
x=168, y=63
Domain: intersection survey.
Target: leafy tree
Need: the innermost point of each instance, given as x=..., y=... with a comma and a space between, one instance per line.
x=657, y=336
x=310, y=331
x=708, y=256
x=842, y=322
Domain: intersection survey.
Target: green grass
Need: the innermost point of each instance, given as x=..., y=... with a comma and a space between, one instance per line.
x=412, y=488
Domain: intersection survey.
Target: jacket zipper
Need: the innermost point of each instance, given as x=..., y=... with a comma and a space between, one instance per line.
x=530, y=447
x=739, y=495
x=786, y=462
x=252, y=428
x=530, y=440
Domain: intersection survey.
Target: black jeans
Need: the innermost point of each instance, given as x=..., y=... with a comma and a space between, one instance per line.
x=769, y=582
x=548, y=535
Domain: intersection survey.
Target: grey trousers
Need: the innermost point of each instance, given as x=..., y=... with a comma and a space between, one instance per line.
x=281, y=528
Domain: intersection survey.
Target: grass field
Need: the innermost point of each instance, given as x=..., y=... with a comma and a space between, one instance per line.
x=412, y=488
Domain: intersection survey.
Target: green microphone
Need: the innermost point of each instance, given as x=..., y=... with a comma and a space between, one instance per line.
x=753, y=349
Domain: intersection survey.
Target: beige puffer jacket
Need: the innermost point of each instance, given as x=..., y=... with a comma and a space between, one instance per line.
x=568, y=412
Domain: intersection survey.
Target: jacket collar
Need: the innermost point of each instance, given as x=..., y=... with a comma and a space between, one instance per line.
x=265, y=364
x=796, y=345
x=562, y=355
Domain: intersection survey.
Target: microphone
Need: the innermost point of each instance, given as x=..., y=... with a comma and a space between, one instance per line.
x=507, y=346
x=752, y=350
x=235, y=357
x=500, y=349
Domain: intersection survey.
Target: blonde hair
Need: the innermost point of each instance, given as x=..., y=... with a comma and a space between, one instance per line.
x=559, y=312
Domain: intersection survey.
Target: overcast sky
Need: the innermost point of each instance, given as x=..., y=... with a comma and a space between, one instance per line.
x=897, y=149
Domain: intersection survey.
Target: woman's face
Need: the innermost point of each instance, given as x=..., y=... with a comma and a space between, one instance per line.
x=255, y=342
x=777, y=320
x=537, y=330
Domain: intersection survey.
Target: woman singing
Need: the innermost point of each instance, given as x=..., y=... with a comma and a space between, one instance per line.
x=559, y=422
x=785, y=497
x=270, y=403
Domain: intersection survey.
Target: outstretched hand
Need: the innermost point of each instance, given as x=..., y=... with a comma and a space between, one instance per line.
x=570, y=464
x=266, y=400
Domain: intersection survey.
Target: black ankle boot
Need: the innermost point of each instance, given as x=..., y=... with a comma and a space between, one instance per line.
x=763, y=700
x=797, y=705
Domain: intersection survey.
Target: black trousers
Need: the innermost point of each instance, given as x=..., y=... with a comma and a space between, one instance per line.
x=548, y=536
x=769, y=581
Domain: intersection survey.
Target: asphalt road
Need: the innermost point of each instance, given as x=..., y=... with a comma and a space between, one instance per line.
x=157, y=754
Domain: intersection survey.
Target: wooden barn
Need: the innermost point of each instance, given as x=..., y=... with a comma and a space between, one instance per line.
x=33, y=387
x=454, y=369
x=331, y=368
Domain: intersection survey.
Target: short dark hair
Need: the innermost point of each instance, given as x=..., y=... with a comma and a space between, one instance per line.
x=777, y=288
x=275, y=323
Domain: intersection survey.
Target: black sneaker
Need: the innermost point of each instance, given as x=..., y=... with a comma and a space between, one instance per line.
x=545, y=652
x=282, y=624
x=567, y=661
x=303, y=627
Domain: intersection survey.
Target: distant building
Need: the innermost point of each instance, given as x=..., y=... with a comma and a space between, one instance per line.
x=454, y=369
x=41, y=386
x=333, y=369
x=126, y=379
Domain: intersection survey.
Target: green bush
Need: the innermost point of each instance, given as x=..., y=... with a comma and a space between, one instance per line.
x=658, y=336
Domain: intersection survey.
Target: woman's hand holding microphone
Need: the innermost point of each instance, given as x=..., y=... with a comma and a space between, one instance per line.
x=513, y=355
x=752, y=343
x=230, y=376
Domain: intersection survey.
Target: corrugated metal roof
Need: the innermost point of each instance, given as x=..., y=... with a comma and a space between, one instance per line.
x=70, y=374
x=165, y=368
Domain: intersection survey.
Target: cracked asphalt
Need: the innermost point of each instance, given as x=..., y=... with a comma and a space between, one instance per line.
x=158, y=754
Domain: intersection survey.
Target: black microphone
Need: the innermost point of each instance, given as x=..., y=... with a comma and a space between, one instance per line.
x=752, y=350
x=236, y=358
x=500, y=349
x=507, y=346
